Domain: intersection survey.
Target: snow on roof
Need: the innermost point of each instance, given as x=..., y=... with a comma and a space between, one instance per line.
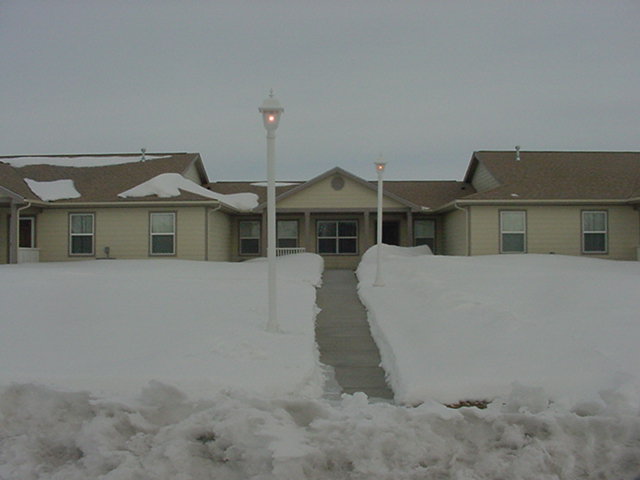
x=169, y=185
x=54, y=190
x=76, y=161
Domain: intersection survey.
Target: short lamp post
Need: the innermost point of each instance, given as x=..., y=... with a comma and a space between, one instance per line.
x=271, y=112
x=380, y=169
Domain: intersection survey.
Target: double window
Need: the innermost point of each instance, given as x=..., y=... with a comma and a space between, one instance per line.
x=594, y=232
x=424, y=233
x=287, y=233
x=163, y=233
x=81, y=233
x=338, y=237
x=513, y=231
x=249, y=237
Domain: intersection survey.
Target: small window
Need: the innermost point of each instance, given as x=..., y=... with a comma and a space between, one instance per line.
x=287, y=233
x=424, y=233
x=338, y=237
x=81, y=233
x=513, y=226
x=594, y=232
x=163, y=233
x=249, y=237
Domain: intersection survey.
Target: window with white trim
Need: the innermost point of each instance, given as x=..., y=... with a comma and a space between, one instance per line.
x=338, y=237
x=249, y=237
x=162, y=233
x=81, y=233
x=594, y=232
x=287, y=233
x=424, y=233
x=513, y=231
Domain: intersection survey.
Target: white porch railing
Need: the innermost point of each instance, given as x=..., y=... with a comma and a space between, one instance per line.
x=28, y=255
x=280, y=252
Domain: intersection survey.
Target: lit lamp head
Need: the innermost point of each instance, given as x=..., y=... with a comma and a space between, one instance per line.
x=271, y=112
x=380, y=165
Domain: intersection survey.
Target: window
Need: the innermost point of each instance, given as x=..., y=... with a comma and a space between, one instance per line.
x=424, y=233
x=594, y=232
x=513, y=232
x=163, y=233
x=81, y=233
x=339, y=237
x=249, y=237
x=287, y=233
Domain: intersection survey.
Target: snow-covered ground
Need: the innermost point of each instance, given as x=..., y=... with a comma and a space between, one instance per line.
x=469, y=328
x=112, y=326
x=158, y=408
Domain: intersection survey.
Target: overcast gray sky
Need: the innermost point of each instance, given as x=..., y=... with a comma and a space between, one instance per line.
x=422, y=83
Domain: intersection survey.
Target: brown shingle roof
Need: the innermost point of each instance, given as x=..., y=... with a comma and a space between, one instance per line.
x=248, y=187
x=429, y=193
x=103, y=183
x=426, y=193
x=561, y=175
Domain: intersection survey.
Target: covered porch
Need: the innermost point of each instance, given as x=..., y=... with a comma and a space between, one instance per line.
x=340, y=236
x=17, y=229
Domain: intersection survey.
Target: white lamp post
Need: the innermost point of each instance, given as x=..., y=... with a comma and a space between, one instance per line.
x=271, y=112
x=380, y=169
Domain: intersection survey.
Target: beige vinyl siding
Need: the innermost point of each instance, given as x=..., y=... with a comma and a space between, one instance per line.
x=322, y=195
x=557, y=229
x=483, y=180
x=124, y=230
x=219, y=236
x=485, y=230
x=454, y=233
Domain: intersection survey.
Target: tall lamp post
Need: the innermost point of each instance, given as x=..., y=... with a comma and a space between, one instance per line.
x=271, y=112
x=380, y=169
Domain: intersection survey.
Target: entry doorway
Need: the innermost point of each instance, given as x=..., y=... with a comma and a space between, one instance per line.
x=27, y=232
x=391, y=233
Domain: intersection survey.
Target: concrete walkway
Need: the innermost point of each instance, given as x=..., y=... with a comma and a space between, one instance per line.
x=344, y=339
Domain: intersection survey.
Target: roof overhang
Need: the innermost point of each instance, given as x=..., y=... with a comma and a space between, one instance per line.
x=5, y=193
x=522, y=202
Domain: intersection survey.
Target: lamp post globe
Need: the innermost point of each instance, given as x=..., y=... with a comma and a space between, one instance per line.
x=271, y=112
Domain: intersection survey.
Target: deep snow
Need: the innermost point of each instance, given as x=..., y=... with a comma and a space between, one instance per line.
x=130, y=428
x=459, y=328
x=111, y=326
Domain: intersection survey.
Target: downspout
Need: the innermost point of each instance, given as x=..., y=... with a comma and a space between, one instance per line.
x=206, y=230
x=467, y=226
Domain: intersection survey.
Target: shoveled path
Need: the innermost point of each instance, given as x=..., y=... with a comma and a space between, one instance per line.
x=344, y=338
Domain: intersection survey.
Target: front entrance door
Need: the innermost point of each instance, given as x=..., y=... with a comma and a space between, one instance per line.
x=27, y=232
x=391, y=233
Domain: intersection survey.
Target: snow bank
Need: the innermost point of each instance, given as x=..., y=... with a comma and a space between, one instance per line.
x=461, y=328
x=110, y=327
x=54, y=190
x=71, y=436
x=89, y=161
x=168, y=185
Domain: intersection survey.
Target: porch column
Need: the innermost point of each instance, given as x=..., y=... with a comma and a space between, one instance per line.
x=410, y=228
x=13, y=233
x=365, y=227
x=307, y=232
x=263, y=234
